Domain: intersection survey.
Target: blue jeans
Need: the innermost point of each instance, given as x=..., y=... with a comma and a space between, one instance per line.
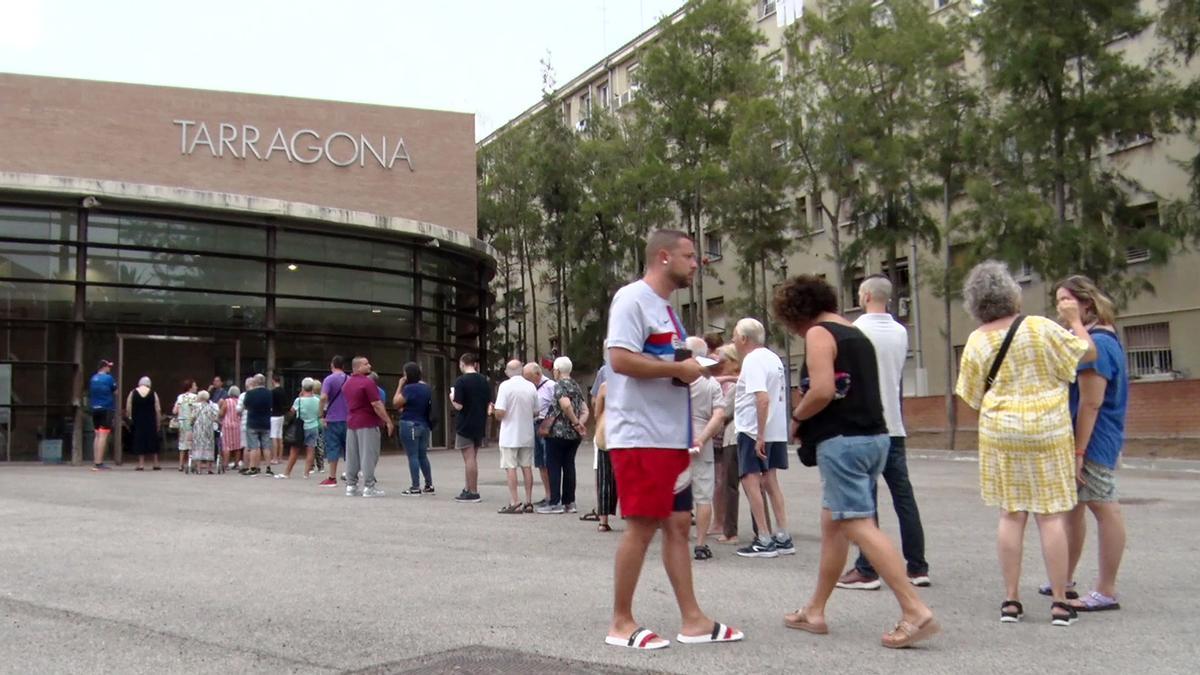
x=415, y=437
x=912, y=535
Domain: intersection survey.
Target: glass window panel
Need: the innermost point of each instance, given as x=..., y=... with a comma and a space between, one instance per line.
x=308, y=246
x=24, y=300
x=35, y=342
x=126, y=230
x=436, y=295
x=36, y=261
x=163, y=268
x=38, y=384
x=32, y=433
x=330, y=316
x=37, y=223
x=333, y=282
x=172, y=306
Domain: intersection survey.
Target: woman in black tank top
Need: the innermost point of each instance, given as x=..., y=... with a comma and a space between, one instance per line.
x=841, y=428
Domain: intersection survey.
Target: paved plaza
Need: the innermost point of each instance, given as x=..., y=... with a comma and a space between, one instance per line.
x=150, y=572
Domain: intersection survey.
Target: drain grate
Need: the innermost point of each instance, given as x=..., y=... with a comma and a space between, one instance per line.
x=481, y=660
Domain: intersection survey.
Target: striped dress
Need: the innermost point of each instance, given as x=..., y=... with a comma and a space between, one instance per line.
x=1026, y=439
x=231, y=426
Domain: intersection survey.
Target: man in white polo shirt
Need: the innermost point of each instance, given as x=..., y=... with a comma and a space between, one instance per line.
x=760, y=417
x=516, y=404
x=890, y=340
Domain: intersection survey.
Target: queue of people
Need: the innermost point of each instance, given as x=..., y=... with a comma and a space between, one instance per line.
x=685, y=425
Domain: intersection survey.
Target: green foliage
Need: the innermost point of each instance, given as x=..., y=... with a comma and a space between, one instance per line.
x=1051, y=198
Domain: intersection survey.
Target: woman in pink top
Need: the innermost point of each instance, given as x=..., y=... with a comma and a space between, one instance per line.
x=231, y=428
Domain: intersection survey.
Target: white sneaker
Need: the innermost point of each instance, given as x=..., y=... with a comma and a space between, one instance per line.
x=351, y=491
x=279, y=475
x=372, y=492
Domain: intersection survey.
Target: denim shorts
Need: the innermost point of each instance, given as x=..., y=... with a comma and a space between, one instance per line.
x=750, y=462
x=335, y=440
x=850, y=466
x=310, y=437
x=258, y=439
x=1099, y=483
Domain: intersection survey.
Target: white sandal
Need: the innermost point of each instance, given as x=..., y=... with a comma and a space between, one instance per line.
x=642, y=638
x=720, y=633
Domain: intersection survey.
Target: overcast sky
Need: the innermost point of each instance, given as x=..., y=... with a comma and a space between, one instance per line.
x=478, y=56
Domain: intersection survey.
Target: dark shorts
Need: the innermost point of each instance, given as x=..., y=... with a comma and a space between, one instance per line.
x=539, y=448
x=335, y=440
x=750, y=462
x=102, y=420
x=463, y=442
x=648, y=481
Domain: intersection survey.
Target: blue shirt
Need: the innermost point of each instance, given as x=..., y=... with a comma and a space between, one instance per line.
x=418, y=402
x=1108, y=435
x=100, y=391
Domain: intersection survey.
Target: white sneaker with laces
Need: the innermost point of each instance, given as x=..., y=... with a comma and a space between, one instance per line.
x=372, y=492
x=351, y=491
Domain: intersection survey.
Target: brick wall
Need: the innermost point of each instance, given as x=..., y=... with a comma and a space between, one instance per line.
x=1156, y=410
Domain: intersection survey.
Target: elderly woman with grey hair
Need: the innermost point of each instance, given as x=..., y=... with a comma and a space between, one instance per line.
x=145, y=419
x=1016, y=371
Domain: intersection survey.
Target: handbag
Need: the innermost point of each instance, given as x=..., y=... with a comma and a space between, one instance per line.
x=293, y=431
x=1008, y=338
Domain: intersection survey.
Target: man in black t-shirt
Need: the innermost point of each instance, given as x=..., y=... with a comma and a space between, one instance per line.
x=471, y=396
x=280, y=403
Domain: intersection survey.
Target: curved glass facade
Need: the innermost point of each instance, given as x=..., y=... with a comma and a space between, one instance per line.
x=177, y=296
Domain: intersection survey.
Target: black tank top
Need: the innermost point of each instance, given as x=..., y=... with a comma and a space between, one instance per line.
x=856, y=409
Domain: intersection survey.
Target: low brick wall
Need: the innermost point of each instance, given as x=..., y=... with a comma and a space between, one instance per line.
x=1156, y=410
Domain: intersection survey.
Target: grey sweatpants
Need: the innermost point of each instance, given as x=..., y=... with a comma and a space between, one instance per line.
x=362, y=453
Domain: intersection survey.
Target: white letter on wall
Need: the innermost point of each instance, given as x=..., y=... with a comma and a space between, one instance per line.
x=315, y=148
x=278, y=142
x=353, y=144
x=226, y=141
x=183, y=125
x=248, y=141
x=202, y=130
x=401, y=152
x=365, y=146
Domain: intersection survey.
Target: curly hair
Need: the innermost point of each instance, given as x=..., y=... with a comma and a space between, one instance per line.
x=803, y=298
x=990, y=292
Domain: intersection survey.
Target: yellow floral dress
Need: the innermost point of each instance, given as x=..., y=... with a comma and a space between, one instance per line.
x=1026, y=439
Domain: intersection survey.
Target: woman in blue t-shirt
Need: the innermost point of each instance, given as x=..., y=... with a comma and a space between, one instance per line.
x=414, y=400
x=1098, y=399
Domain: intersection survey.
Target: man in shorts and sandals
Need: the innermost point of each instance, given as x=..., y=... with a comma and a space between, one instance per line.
x=516, y=404
x=101, y=390
x=649, y=430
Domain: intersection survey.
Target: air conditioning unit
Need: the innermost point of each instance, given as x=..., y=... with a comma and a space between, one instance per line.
x=903, y=307
x=582, y=125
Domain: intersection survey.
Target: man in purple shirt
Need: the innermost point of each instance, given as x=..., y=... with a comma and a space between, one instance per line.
x=334, y=411
x=365, y=415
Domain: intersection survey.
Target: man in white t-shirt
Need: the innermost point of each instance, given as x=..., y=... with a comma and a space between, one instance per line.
x=708, y=422
x=649, y=432
x=516, y=404
x=890, y=340
x=760, y=419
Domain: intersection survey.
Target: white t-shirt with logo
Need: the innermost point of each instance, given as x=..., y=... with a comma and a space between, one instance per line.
x=762, y=370
x=518, y=398
x=890, y=340
x=645, y=413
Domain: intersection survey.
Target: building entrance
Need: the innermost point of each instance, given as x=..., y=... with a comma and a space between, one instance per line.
x=168, y=361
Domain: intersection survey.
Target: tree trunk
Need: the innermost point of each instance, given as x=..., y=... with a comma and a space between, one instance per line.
x=948, y=260
x=835, y=239
x=532, y=298
x=766, y=312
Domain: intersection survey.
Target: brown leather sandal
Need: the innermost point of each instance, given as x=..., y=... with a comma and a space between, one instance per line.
x=799, y=621
x=906, y=635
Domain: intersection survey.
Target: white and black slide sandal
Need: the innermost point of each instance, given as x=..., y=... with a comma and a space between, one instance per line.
x=642, y=638
x=720, y=633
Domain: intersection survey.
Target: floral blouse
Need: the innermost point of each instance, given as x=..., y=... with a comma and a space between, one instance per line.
x=562, y=426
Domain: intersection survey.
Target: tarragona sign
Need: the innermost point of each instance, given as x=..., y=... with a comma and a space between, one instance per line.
x=306, y=146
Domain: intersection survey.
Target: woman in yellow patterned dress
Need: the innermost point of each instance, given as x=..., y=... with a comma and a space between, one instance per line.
x=1026, y=440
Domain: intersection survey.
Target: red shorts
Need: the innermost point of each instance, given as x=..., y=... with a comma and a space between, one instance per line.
x=646, y=480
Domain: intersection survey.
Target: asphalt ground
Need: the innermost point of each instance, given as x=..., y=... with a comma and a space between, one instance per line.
x=159, y=572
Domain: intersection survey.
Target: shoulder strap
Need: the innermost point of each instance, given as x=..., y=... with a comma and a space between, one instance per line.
x=1008, y=338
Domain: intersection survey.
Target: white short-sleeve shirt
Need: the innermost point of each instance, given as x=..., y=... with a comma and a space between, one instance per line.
x=518, y=398
x=707, y=398
x=890, y=340
x=645, y=413
x=762, y=371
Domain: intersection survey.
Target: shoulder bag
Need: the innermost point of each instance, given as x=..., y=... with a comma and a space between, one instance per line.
x=1008, y=338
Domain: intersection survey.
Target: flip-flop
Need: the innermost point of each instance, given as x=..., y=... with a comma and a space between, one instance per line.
x=905, y=634
x=720, y=633
x=802, y=623
x=642, y=638
x=1095, y=601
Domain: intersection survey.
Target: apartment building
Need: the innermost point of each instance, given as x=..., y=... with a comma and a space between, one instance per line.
x=1153, y=326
